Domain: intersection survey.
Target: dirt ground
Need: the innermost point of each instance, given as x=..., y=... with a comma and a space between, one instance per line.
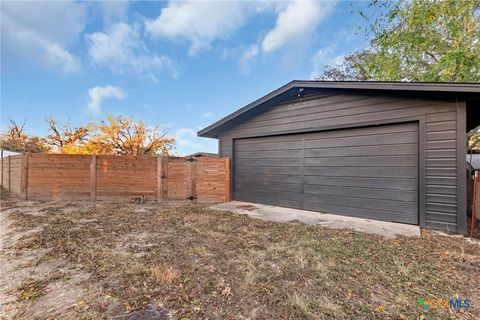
x=112, y=260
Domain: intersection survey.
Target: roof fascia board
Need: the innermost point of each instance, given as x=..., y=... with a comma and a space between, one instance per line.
x=400, y=86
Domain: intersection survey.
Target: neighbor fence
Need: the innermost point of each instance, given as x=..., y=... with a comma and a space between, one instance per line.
x=86, y=177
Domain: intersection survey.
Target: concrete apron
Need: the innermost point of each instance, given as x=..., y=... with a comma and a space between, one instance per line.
x=260, y=211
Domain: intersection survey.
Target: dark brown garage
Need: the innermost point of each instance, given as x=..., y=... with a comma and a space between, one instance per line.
x=386, y=151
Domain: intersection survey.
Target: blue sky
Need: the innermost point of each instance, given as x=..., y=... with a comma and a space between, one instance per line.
x=177, y=65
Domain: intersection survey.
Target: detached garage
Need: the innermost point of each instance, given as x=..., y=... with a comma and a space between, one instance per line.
x=385, y=151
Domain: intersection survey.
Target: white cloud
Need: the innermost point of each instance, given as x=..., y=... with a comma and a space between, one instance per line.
x=98, y=94
x=200, y=22
x=57, y=55
x=42, y=32
x=322, y=58
x=247, y=57
x=296, y=22
x=207, y=115
x=113, y=10
x=121, y=49
x=188, y=142
x=187, y=138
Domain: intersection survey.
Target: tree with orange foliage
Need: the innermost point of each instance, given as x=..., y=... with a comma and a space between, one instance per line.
x=123, y=136
x=67, y=139
x=115, y=135
x=15, y=139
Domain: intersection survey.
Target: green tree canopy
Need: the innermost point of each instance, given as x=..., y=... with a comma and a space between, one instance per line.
x=419, y=40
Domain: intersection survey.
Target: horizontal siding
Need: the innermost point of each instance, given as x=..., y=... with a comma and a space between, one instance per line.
x=341, y=110
x=225, y=147
x=441, y=169
x=336, y=111
x=353, y=116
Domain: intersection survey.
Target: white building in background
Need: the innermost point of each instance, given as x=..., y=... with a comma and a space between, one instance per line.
x=6, y=153
x=474, y=160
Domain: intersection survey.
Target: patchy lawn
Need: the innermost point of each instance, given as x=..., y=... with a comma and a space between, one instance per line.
x=77, y=260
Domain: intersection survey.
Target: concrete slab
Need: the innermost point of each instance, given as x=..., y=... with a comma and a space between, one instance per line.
x=280, y=214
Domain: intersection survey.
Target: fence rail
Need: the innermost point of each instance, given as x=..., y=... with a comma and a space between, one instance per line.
x=85, y=177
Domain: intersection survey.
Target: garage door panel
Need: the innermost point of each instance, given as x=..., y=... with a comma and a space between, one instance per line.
x=275, y=202
x=363, y=161
x=368, y=182
x=285, y=162
x=283, y=195
x=269, y=186
x=275, y=154
x=273, y=146
x=362, y=213
x=366, y=172
x=381, y=172
x=268, y=140
x=362, y=203
x=268, y=178
x=362, y=132
x=375, y=193
x=401, y=149
x=355, y=141
x=296, y=170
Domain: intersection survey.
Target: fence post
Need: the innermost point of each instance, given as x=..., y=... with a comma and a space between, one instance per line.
x=93, y=179
x=193, y=167
x=159, y=179
x=9, y=176
x=227, y=180
x=164, y=176
x=24, y=188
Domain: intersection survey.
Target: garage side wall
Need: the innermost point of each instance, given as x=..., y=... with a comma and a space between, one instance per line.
x=440, y=195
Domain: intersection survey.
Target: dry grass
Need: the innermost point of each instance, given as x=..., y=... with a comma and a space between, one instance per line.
x=204, y=264
x=164, y=275
x=31, y=289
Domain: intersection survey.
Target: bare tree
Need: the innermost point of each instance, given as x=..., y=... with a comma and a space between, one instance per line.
x=15, y=139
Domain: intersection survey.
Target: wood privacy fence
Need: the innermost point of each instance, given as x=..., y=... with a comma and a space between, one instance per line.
x=84, y=177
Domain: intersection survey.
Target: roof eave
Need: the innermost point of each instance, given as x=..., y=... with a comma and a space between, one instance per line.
x=208, y=132
x=212, y=130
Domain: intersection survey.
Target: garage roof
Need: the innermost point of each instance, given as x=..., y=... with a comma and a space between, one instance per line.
x=297, y=87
